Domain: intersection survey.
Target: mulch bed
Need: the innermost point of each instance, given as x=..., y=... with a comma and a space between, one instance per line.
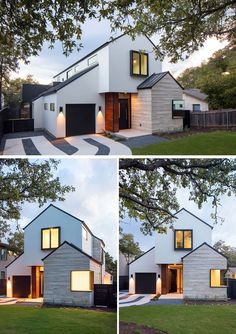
x=132, y=328
x=210, y=302
x=189, y=132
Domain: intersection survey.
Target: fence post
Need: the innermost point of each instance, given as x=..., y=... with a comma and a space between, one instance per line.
x=227, y=118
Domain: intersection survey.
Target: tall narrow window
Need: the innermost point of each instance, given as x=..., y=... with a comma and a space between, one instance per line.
x=138, y=63
x=50, y=238
x=82, y=280
x=183, y=239
x=217, y=278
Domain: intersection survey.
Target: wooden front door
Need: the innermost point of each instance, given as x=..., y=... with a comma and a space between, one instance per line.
x=123, y=114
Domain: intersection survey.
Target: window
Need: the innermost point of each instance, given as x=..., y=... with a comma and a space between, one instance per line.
x=138, y=63
x=3, y=254
x=82, y=280
x=217, y=277
x=183, y=239
x=45, y=106
x=3, y=275
x=52, y=106
x=84, y=233
x=196, y=107
x=178, y=105
x=92, y=60
x=69, y=73
x=50, y=238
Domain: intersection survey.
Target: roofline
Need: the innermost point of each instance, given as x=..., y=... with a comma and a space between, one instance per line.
x=204, y=243
x=166, y=72
x=196, y=97
x=84, y=224
x=14, y=260
x=194, y=216
x=141, y=255
x=76, y=248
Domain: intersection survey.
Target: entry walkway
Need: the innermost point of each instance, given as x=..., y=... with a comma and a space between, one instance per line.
x=134, y=300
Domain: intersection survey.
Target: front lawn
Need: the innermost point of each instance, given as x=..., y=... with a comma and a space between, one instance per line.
x=211, y=143
x=32, y=319
x=183, y=319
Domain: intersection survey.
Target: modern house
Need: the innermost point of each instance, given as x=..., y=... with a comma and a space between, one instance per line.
x=62, y=261
x=195, y=100
x=182, y=261
x=120, y=85
x=6, y=257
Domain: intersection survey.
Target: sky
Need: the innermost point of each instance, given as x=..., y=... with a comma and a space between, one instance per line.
x=94, y=201
x=225, y=231
x=50, y=62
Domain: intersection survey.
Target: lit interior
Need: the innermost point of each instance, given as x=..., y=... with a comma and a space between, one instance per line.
x=179, y=239
x=81, y=281
x=215, y=277
x=46, y=239
x=50, y=238
x=135, y=63
x=144, y=64
x=187, y=239
x=54, y=237
x=183, y=239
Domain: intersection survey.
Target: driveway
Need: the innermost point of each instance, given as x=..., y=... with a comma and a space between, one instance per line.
x=136, y=299
x=40, y=143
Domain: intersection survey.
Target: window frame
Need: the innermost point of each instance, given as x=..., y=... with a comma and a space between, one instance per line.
x=197, y=104
x=132, y=52
x=220, y=286
x=59, y=237
x=91, y=278
x=95, y=57
x=2, y=274
x=52, y=106
x=45, y=106
x=183, y=230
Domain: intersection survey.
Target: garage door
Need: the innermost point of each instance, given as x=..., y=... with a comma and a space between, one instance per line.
x=80, y=119
x=145, y=283
x=21, y=286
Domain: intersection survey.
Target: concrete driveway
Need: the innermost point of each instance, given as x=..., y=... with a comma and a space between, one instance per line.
x=136, y=299
x=40, y=143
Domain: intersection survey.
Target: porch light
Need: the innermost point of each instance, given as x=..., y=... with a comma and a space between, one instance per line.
x=131, y=275
x=9, y=278
x=99, y=108
x=60, y=109
x=158, y=276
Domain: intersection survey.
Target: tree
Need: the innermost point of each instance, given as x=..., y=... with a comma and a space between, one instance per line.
x=22, y=181
x=128, y=247
x=148, y=188
x=228, y=251
x=216, y=78
x=12, y=90
x=111, y=266
x=16, y=240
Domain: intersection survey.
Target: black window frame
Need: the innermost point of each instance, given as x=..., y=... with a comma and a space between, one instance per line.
x=220, y=286
x=59, y=237
x=183, y=230
x=91, y=280
x=131, y=64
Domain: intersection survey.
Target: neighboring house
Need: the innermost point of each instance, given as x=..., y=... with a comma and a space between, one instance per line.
x=6, y=257
x=123, y=272
x=120, y=85
x=62, y=261
x=195, y=100
x=232, y=271
x=182, y=261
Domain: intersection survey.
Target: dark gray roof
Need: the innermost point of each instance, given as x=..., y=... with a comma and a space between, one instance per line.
x=195, y=92
x=60, y=85
x=31, y=91
x=206, y=244
x=154, y=79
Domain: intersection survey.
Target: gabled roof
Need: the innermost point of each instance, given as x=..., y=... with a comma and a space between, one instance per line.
x=206, y=244
x=76, y=248
x=141, y=255
x=195, y=92
x=154, y=79
x=14, y=260
x=81, y=221
x=183, y=209
x=54, y=89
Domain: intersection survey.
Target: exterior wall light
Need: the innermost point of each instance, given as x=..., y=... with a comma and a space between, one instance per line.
x=9, y=278
x=159, y=276
x=60, y=109
x=131, y=275
x=99, y=108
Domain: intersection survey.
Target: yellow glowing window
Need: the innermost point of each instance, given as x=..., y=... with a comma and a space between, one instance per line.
x=82, y=280
x=183, y=239
x=144, y=64
x=217, y=278
x=50, y=237
x=139, y=63
x=136, y=64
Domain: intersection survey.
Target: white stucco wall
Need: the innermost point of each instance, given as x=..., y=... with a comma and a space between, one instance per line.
x=165, y=252
x=189, y=101
x=37, y=113
x=50, y=117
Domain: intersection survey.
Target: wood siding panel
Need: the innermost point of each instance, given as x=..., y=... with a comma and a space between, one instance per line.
x=111, y=112
x=164, y=279
x=35, y=282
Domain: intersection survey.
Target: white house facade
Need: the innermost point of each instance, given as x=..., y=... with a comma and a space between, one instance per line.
x=195, y=100
x=182, y=261
x=104, y=91
x=61, y=262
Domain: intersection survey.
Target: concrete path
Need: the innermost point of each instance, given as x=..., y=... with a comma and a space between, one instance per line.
x=169, y=299
x=134, y=300
x=7, y=301
x=142, y=141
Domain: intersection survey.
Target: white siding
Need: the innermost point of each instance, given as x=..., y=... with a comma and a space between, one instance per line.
x=189, y=101
x=50, y=121
x=37, y=113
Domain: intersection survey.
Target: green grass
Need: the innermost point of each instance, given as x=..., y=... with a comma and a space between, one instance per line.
x=30, y=319
x=184, y=319
x=211, y=143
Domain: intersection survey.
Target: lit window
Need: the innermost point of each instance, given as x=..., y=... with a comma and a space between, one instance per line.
x=45, y=106
x=138, y=63
x=82, y=280
x=217, y=277
x=52, y=106
x=92, y=60
x=183, y=239
x=84, y=233
x=50, y=237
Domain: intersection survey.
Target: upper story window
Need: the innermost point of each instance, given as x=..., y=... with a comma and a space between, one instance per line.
x=84, y=233
x=69, y=73
x=45, y=106
x=217, y=278
x=92, y=60
x=50, y=238
x=3, y=254
x=138, y=63
x=183, y=239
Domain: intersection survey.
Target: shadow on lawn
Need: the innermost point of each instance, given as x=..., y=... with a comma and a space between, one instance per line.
x=132, y=328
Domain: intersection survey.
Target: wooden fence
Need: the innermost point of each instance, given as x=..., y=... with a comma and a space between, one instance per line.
x=3, y=287
x=225, y=119
x=105, y=295
x=231, y=288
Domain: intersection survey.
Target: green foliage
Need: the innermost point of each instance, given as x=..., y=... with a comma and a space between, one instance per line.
x=228, y=251
x=22, y=181
x=148, y=188
x=128, y=247
x=16, y=240
x=216, y=78
x=111, y=266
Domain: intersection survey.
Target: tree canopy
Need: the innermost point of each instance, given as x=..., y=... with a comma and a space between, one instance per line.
x=111, y=266
x=24, y=180
x=128, y=247
x=148, y=188
x=216, y=78
x=228, y=251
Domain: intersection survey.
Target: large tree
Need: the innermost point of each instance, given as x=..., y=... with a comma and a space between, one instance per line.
x=24, y=180
x=228, y=251
x=111, y=266
x=128, y=247
x=148, y=187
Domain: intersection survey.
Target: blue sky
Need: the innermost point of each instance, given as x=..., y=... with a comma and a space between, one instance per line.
x=50, y=62
x=94, y=201
x=225, y=231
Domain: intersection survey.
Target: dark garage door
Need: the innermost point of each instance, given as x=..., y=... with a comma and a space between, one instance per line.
x=21, y=286
x=145, y=283
x=80, y=119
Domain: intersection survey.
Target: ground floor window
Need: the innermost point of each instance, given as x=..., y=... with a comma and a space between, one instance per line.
x=3, y=275
x=217, y=278
x=196, y=107
x=82, y=280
